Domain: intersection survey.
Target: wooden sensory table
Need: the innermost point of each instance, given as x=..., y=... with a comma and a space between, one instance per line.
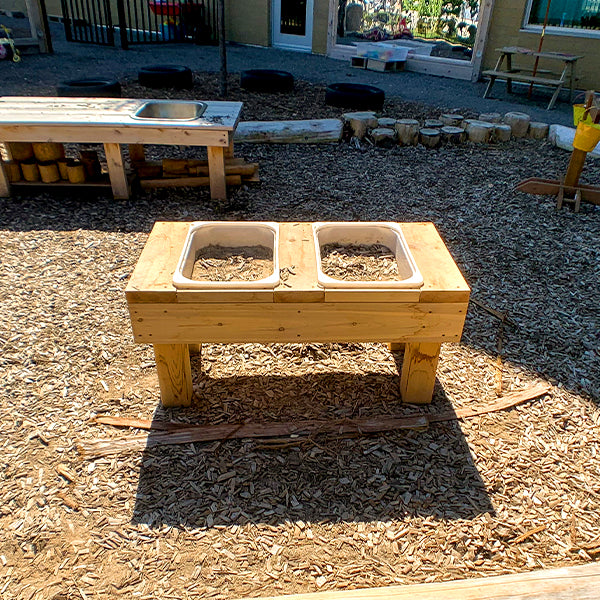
x=110, y=121
x=298, y=310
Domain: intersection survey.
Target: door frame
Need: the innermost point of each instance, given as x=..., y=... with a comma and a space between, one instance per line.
x=288, y=41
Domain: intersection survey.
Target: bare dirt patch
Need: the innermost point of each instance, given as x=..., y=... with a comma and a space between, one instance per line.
x=505, y=492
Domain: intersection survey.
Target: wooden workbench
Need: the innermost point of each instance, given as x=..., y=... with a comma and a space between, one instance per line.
x=298, y=310
x=109, y=121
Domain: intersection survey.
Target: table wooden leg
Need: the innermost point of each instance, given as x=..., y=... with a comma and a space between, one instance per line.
x=216, y=172
x=418, y=372
x=174, y=374
x=116, y=171
x=396, y=346
x=136, y=153
x=195, y=348
x=4, y=185
x=229, y=149
x=489, y=87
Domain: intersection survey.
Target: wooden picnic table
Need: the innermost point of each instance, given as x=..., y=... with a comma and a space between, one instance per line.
x=176, y=321
x=110, y=121
x=511, y=72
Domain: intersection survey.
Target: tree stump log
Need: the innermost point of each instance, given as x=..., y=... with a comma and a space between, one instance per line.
x=429, y=137
x=433, y=124
x=492, y=117
x=407, y=131
x=386, y=122
x=359, y=123
x=383, y=136
x=466, y=122
x=451, y=120
x=453, y=135
x=538, y=131
x=519, y=123
x=502, y=132
x=12, y=170
x=480, y=132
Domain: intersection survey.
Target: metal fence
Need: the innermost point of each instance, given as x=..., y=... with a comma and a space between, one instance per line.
x=140, y=21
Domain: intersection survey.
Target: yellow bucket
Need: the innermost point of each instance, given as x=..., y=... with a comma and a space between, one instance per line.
x=586, y=137
x=578, y=110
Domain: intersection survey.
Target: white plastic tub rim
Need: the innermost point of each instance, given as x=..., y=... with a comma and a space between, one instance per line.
x=367, y=233
x=227, y=233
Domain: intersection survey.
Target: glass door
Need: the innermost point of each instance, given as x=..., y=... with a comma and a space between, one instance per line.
x=292, y=24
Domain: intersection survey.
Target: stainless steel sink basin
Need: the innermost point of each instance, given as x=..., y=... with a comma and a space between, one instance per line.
x=170, y=110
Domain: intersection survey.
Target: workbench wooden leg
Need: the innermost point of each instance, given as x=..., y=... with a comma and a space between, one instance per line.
x=489, y=87
x=116, y=171
x=396, y=346
x=418, y=372
x=554, y=97
x=174, y=374
x=4, y=185
x=216, y=173
x=195, y=348
x=136, y=153
x=229, y=149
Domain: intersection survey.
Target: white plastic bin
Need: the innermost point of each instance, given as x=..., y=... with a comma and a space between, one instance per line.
x=367, y=233
x=230, y=234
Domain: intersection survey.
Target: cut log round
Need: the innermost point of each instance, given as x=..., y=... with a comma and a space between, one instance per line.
x=519, y=123
x=62, y=168
x=429, y=137
x=383, y=136
x=453, y=135
x=502, y=132
x=386, y=122
x=290, y=132
x=75, y=171
x=407, y=131
x=480, y=132
x=492, y=117
x=466, y=122
x=359, y=122
x=12, y=170
x=30, y=169
x=433, y=124
x=451, y=120
x=538, y=131
x=20, y=150
x=49, y=172
x=48, y=151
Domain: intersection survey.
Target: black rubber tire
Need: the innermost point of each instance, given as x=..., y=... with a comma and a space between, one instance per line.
x=91, y=87
x=354, y=95
x=266, y=80
x=166, y=76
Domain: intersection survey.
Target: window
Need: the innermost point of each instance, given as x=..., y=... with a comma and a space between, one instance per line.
x=578, y=14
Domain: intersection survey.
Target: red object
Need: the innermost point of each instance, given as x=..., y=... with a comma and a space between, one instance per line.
x=170, y=9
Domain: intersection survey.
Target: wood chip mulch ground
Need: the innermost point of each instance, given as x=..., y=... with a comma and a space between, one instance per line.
x=509, y=491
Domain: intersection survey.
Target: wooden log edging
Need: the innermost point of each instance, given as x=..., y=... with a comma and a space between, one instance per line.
x=310, y=131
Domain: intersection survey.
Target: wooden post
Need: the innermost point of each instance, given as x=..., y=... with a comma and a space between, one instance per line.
x=38, y=26
x=222, y=46
x=216, y=173
x=418, y=372
x=483, y=27
x=116, y=171
x=136, y=153
x=4, y=186
x=174, y=374
x=229, y=149
x=195, y=348
x=396, y=346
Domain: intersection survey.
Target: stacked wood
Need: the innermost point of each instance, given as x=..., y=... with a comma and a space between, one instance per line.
x=538, y=131
x=384, y=136
x=519, y=123
x=479, y=132
x=492, y=117
x=429, y=137
x=407, y=131
x=358, y=123
x=502, y=132
x=12, y=170
x=453, y=135
x=192, y=172
x=451, y=120
x=290, y=132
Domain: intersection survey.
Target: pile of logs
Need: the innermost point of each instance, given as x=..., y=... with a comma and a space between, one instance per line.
x=448, y=129
x=186, y=172
x=46, y=162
